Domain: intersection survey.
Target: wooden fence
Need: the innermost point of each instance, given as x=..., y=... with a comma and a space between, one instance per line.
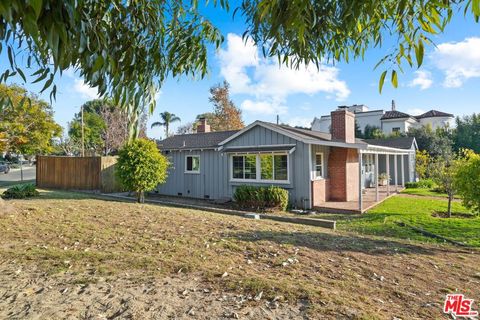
x=77, y=173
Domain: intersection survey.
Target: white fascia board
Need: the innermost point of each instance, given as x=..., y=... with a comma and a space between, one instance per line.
x=389, y=150
x=337, y=144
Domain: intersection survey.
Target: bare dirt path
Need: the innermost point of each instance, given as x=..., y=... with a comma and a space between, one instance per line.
x=31, y=294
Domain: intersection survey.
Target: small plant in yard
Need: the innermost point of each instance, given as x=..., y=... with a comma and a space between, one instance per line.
x=20, y=191
x=444, y=171
x=141, y=167
x=261, y=197
x=468, y=181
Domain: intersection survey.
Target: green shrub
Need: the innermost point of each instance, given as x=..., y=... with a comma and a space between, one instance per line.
x=20, y=191
x=141, y=167
x=467, y=181
x=261, y=198
x=422, y=184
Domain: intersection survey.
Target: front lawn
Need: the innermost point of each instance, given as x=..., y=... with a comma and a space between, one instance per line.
x=416, y=211
x=426, y=192
x=66, y=255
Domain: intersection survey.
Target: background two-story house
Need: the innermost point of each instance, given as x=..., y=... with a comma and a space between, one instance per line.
x=389, y=122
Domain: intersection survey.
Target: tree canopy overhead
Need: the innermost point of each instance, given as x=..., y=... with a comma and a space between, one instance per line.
x=127, y=48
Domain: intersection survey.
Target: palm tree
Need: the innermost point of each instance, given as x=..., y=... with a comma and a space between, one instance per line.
x=167, y=119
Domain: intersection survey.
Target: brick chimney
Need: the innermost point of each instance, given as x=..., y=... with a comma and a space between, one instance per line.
x=343, y=126
x=203, y=126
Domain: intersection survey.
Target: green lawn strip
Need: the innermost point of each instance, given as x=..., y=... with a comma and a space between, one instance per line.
x=382, y=221
x=426, y=192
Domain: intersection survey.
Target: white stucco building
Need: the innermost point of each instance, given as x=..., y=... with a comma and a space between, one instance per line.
x=388, y=121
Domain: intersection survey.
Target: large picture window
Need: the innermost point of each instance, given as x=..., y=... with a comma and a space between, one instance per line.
x=192, y=164
x=274, y=167
x=261, y=167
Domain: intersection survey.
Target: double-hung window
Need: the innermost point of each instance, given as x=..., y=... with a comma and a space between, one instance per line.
x=318, y=165
x=192, y=164
x=260, y=167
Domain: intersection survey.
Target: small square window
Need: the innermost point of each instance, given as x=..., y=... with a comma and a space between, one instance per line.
x=192, y=164
x=396, y=129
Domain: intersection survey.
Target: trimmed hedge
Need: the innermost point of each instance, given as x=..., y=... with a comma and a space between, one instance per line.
x=20, y=191
x=422, y=184
x=261, y=198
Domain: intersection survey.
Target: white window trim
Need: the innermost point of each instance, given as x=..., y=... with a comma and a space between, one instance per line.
x=199, y=163
x=315, y=167
x=258, y=168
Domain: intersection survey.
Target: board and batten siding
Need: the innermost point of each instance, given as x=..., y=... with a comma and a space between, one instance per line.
x=210, y=182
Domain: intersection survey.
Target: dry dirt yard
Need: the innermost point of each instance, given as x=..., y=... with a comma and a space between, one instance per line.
x=66, y=256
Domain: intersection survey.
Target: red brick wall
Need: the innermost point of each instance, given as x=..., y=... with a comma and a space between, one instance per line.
x=319, y=191
x=343, y=174
x=343, y=126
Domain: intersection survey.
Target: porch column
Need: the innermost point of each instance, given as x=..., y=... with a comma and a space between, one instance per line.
x=396, y=173
x=387, y=157
x=376, y=177
x=310, y=177
x=360, y=198
x=403, y=170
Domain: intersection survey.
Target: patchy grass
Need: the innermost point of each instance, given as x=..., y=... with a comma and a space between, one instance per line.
x=420, y=212
x=336, y=273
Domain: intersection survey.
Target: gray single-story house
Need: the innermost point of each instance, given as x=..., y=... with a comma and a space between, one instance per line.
x=315, y=167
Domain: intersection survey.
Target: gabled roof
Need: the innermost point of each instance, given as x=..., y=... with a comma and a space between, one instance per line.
x=394, y=115
x=398, y=143
x=434, y=113
x=195, y=140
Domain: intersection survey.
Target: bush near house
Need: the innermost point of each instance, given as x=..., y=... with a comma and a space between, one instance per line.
x=261, y=198
x=20, y=191
x=422, y=184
